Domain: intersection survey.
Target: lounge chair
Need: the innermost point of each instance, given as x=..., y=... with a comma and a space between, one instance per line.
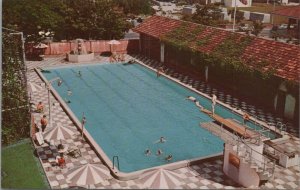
x=39, y=138
x=74, y=152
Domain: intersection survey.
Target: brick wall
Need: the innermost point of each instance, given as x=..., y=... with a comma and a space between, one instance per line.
x=60, y=48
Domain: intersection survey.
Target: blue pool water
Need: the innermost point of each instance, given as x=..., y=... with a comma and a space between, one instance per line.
x=128, y=109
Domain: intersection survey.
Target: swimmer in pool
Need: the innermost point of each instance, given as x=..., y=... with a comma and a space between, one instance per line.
x=162, y=140
x=79, y=74
x=191, y=98
x=159, y=152
x=147, y=152
x=199, y=105
x=169, y=158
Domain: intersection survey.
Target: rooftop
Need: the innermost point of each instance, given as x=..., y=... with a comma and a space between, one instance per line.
x=282, y=57
x=291, y=12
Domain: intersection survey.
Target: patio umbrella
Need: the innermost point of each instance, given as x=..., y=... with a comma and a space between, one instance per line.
x=160, y=179
x=59, y=133
x=88, y=174
x=41, y=46
x=113, y=42
x=33, y=87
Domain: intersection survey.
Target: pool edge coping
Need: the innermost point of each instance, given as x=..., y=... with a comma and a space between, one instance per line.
x=114, y=171
x=236, y=111
x=133, y=175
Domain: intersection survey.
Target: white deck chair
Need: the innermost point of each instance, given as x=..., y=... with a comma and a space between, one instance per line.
x=39, y=138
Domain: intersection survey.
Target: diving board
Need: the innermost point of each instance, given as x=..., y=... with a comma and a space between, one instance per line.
x=239, y=129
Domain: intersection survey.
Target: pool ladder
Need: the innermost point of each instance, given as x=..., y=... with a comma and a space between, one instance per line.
x=117, y=159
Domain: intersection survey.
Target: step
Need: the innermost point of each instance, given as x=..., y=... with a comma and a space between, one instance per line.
x=264, y=175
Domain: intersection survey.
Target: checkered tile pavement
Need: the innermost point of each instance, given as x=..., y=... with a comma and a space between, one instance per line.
x=205, y=175
x=255, y=110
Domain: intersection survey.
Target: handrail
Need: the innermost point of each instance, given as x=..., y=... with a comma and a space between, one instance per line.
x=117, y=159
x=265, y=159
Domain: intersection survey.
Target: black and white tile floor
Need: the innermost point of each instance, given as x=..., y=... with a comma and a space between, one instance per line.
x=205, y=175
x=254, y=110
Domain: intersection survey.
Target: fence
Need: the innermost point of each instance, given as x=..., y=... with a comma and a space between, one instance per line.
x=96, y=46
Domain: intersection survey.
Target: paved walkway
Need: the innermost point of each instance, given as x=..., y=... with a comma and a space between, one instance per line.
x=256, y=111
x=205, y=175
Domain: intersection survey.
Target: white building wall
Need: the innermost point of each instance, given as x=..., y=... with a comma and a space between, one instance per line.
x=247, y=15
x=290, y=104
x=238, y=3
x=188, y=10
x=244, y=175
x=216, y=1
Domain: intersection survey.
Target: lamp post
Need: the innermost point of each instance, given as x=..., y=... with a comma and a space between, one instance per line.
x=59, y=82
x=273, y=11
x=83, y=121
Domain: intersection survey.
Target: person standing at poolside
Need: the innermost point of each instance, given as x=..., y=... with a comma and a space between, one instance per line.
x=44, y=123
x=214, y=101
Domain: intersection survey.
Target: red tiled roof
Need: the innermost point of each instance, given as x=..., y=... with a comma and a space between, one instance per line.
x=284, y=58
x=292, y=12
x=157, y=26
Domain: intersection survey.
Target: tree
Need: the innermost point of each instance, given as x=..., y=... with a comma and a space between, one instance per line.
x=134, y=6
x=257, y=27
x=68, y=19
x=33, y=16
x=15, y=104
x=207, y=15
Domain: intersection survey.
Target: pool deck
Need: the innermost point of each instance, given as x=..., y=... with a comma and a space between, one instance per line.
x=204, y=175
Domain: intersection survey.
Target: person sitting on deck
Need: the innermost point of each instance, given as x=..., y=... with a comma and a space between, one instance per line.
x=131, y=61
x=169, y=158
x=122, y=57
x=159, y=71
x=113, y=57
x=191, y=98
x=246, y=118
x=60, y=160
x=40, y=107
x=44, y=70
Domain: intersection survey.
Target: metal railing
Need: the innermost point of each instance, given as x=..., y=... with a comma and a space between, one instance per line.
x=266, y=164
x=117, y=159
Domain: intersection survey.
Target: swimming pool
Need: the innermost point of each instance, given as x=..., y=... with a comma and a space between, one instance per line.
x=128, y=109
